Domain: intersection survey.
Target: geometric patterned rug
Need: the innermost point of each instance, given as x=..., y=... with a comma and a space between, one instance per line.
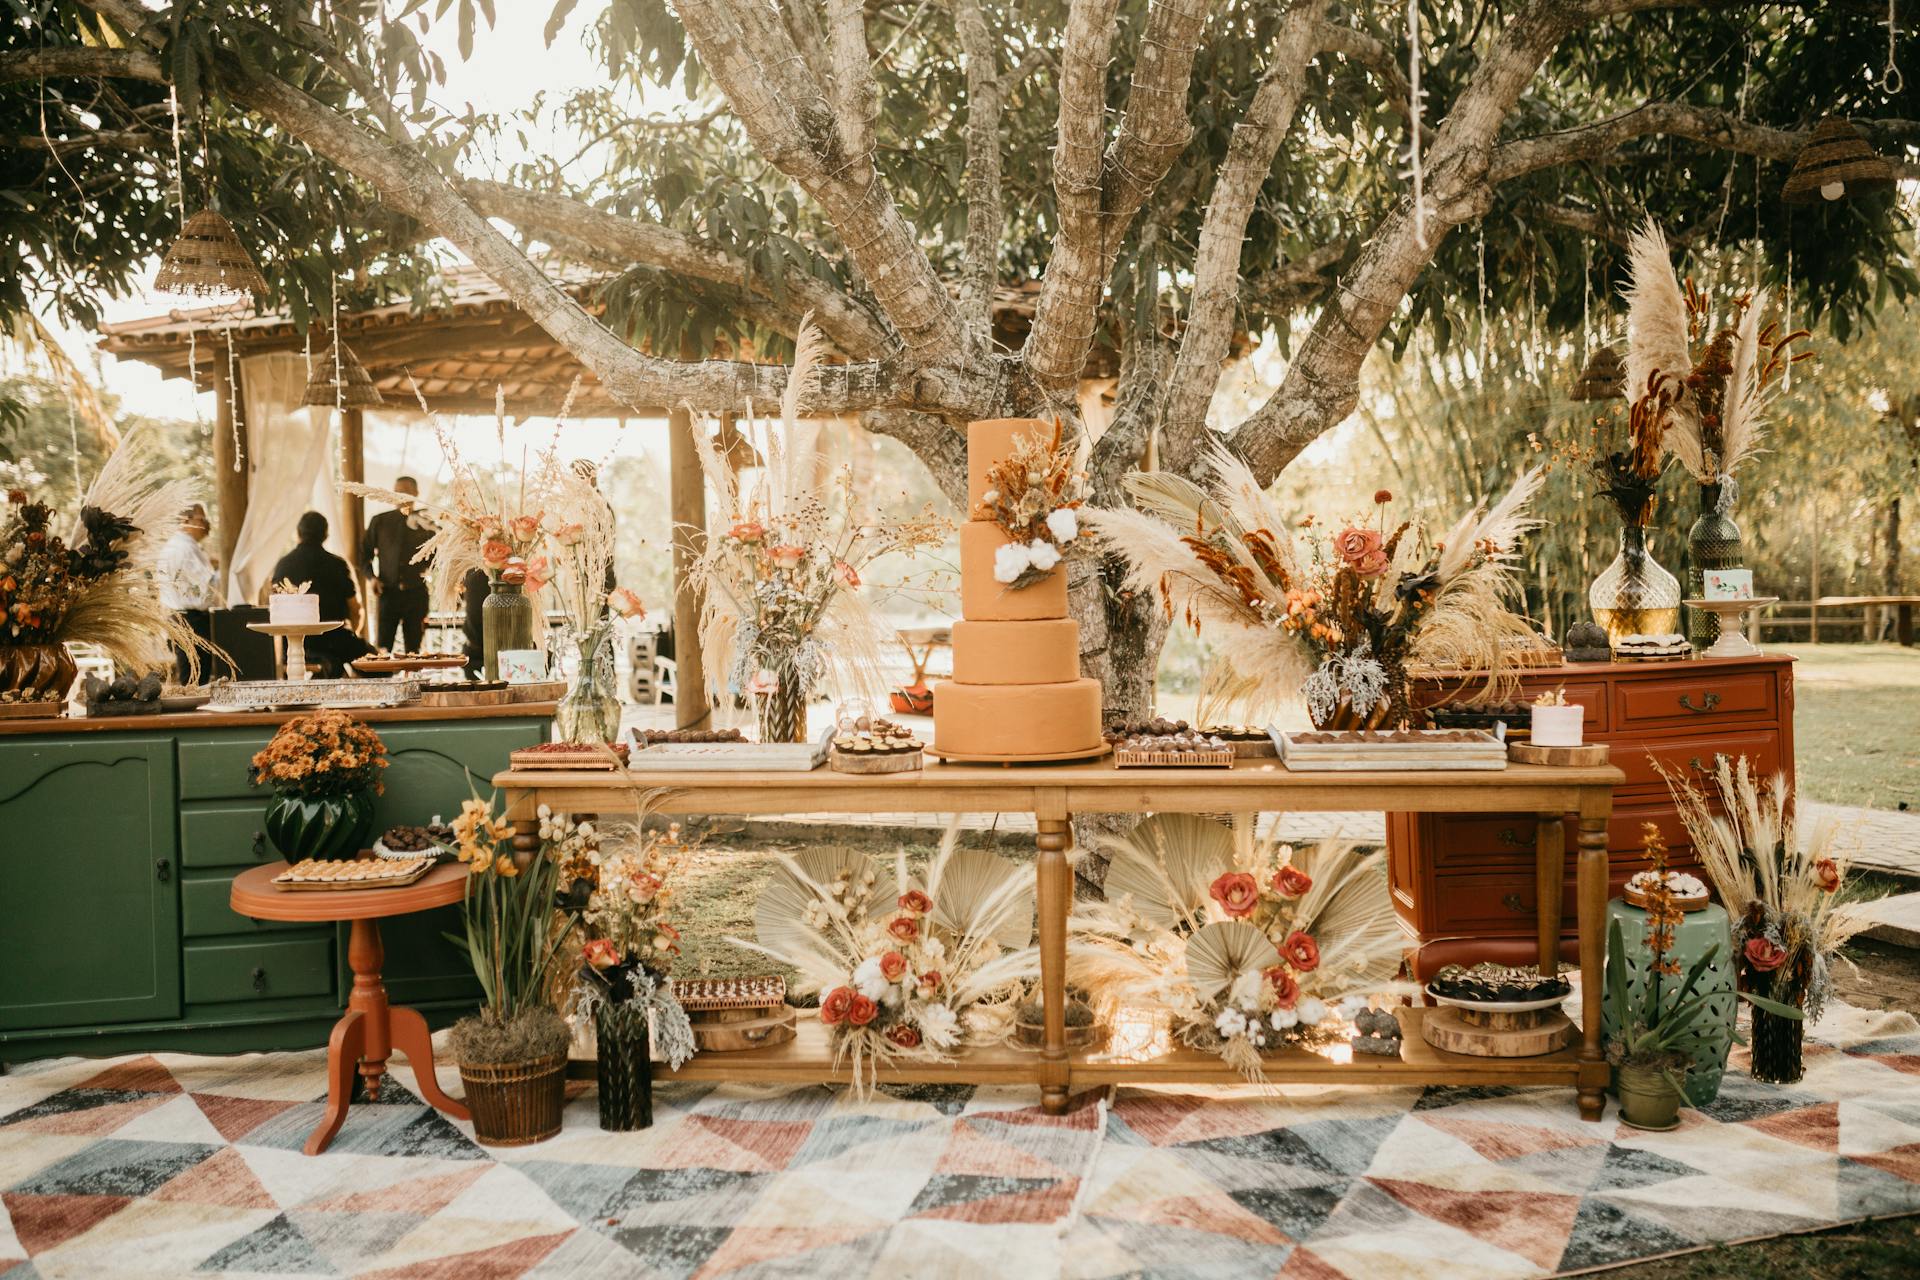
x=173, y=1165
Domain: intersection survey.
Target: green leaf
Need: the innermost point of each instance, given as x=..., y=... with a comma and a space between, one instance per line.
x=558, y=19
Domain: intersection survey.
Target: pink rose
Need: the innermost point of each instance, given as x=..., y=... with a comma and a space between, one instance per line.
x=1301, y=951
x=539, y=573
x=747, y=531
x=1765, y=954
x=1236, y=892
x=893, y=966
x=1290, y=881
x=1355, y=545
x=763, y=682
x=495, y=553
x=905, y=928
x=601, y=953
x=837, y=1004
x=524, y=527
x=1371, y=565
x=786, y=556
x=626, y=602
x=915, y=901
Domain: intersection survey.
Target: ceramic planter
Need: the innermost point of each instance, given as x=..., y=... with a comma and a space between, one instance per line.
x=1648, y=1099
x=320, y=826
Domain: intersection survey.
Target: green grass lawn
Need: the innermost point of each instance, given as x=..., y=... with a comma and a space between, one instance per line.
x=1856, y=723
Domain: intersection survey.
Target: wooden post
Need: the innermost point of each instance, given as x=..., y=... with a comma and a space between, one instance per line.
x=353, y=507
x=1055, y=893
x=688, y=505
x=232, y=470
x=1813, y=625
x=1592, y=899
x=1549, y=881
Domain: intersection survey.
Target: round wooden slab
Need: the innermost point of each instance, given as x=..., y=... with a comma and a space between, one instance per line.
x=1448, y=1030
x=1526, y=753
x=777, y=1027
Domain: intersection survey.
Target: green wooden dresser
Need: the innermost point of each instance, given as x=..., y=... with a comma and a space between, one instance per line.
x=118, y=841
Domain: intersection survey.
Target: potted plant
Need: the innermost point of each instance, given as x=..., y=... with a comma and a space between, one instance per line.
x=1660, y=1026
x=1780, y=893
x=513, y=1052
x=622, y=893
x=324, y=768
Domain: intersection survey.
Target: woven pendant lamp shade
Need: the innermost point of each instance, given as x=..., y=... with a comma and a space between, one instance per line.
x=353, y=390
x=1835, y=163
x=208, y=259
x=1604, y=378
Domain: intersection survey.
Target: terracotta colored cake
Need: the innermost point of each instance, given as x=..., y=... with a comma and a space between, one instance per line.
x=1017, y=689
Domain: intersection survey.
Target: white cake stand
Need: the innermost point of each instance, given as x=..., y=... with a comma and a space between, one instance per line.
x=1733, y=642
x=295, y=634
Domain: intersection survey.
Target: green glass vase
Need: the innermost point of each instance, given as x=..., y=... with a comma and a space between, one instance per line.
x=506, y=622
x=320, y=826
x=1696, y=932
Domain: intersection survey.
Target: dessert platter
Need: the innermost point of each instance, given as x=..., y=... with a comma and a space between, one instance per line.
x=1017, y=694
x=1660, y=648
x=1351, y=750
x=569, y=755
x=732, y=1014
x=649, y=737
x=1497, y=1011
x=1688, y=892
x=882, y=747
x=386, y=664
x=405, y=842
x=1497, y=987
x=725, y=756
x=1188, y=749
x=1249, y=741
x=293, y=614
x=335, y=875
x=32, y=704
x=345, y=694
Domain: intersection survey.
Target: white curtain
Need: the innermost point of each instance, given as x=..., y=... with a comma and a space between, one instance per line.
x=291, y=464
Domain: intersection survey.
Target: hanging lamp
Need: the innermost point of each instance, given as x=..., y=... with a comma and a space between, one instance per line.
x=1604, y=378
x=1836, y=163
x=207, y=259
x=339, y=380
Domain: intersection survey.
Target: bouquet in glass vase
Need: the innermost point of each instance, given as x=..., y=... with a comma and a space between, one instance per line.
x=1781, y=891
x=1339, y=620
x=783, y=609
x=1246, y=953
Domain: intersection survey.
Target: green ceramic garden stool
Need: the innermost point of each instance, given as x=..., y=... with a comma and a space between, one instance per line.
x=1696, y=932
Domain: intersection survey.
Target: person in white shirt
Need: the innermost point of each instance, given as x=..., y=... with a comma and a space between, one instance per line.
x=189, y=584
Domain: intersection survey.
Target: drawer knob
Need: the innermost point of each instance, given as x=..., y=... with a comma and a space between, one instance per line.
x=1708, y=702
x=1513, y=839
x=259, y=844
x=1513, y=903
x=163, y=869
x=259, y=978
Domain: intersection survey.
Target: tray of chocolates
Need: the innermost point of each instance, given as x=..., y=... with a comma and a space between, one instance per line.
x=1497, y=988
x=652, y=737
x=1363, y=750
x=882, y=747
x=569, y=755
x=1248, y=741
x=1186, y=749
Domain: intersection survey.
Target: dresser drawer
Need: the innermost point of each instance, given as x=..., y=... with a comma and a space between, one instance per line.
x=204, y=910
x=1505, y=841
x=1677, y=700
x=1590, y=694
x=225, y=835
x=1492, y=904
x=214, y=766
x=258, y=969
x=1693, y=758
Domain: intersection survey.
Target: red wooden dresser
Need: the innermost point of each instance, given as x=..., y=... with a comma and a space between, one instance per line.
x=1463, y=884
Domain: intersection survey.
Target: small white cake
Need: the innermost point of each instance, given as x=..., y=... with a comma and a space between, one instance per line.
x=1727, y=584
x=288, y=608
x=1562, y=726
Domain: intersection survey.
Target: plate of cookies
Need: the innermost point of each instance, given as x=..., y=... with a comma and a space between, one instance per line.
x=333, y=874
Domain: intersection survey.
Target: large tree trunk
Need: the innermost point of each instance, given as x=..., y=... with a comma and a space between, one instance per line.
x=1121, y=636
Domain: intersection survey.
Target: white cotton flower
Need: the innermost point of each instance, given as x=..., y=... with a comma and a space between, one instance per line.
x=1312, y=1011
x=869, y=981
x=1245, y=990
x=1230, y=1022
x=932, y=952
x=1064, y=524
x=990, y=497
x=1010, y=561
x=1284, y=1018
x=938, y=1025
x=1351, y=1006
x=1043, y=554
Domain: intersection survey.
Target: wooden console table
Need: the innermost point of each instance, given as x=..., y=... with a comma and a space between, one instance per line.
x=1052, y=795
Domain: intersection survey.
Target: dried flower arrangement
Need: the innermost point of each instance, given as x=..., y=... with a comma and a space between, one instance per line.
x=321, y=753
x=907, y=969
x=1344, y=625
x=288, y=587
x=1034, y=495
x=1780, y=891
x=1249, y=953
x=99, y=582
x=783, y=605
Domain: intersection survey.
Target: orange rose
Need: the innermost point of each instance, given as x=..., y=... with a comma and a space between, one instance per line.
x=905, y=928
x=626, y=603
x=893, y=966
x=1829, y=873
x=601, y=953
x=1286, y=992
x=787, y=556
x=929, y=983
x=1301, y=951
x=1290, y=881
x=495, y=553
x=747, y=531
x=915, y=901
x=524, y=527
x=849, y=577
x=1354, y=545
x=862, y=1011
x=836, y=1006
x=1237, y=893
x=903, y=1035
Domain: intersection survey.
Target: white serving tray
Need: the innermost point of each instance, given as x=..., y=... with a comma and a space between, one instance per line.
x=729, y=757
x=1389, y=757
x=248, y=695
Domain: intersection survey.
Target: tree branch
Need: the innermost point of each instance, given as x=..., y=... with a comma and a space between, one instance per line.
x=855, y=99
x=1285, y=285
x=1216, y=269
x=981, y=258
x=87, y=64
x=622, y=242
x=1372, y=54
x=933, y=440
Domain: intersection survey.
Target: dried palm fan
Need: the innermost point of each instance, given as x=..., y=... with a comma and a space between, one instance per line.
x=208, y=260
x=1223, y=953
x=1166, y=864
x=1604, y=378
x=797, y=889
x=340, y=379
x=1837, y=162
x=978, y=893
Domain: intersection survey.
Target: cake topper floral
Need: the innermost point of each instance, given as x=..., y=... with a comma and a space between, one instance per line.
x=288, y=587
x=1034, y=495
x=1340, y=620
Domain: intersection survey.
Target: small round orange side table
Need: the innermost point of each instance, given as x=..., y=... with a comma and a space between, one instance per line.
x=371, y=1028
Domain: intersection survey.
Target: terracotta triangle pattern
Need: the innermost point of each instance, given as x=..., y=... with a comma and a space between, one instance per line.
x=174, y=1165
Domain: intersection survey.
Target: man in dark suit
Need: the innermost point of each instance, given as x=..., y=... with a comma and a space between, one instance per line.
x=328, y=577
x=398, y=581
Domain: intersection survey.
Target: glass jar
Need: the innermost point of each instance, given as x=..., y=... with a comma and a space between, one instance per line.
x=506, y=622
x=590, y=711
x=1634, y=596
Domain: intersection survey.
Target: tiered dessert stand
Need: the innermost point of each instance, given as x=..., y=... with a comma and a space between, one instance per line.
x=1733, y=642
x=295, y=634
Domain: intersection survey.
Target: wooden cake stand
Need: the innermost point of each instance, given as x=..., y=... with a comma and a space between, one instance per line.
x=371, y=1029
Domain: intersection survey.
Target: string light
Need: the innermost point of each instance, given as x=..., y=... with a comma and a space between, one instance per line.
x=180, y=200
x=1414, y=94
x=1483, y=300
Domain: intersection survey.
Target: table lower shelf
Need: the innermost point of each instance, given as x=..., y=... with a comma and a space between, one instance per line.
x=808, y=1058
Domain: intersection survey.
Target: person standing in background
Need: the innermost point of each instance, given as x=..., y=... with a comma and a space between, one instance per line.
x=474, y=589
x=328, y=577
x=399, y=584
x=189, y=584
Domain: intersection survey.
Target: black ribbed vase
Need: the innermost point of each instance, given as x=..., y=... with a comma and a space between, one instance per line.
x=1712, y=543
x=1777, y=1048
x=625, y=1067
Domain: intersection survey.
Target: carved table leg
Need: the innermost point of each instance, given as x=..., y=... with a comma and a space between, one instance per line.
x=1549, y=875
x=366, y=955
x=1593, y=915
x=1056, y=899
x=343, y=1051
x=411, y=1037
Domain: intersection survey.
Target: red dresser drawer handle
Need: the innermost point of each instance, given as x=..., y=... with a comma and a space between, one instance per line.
x=1512, y=839
x=1709, y=702
x=1513, y=903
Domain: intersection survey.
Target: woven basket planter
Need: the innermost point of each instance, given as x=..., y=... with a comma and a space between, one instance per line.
x=516, y=1103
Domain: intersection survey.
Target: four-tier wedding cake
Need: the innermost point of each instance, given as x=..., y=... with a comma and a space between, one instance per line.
x=1016, y=691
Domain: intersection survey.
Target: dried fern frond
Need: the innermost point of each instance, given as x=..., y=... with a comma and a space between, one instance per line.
x=1657, y=336
x=1743, y=422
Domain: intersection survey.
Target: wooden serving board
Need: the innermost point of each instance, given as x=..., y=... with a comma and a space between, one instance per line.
x=1452, y=1030
x=1594, y=753
x=32, y=710
x=536, y=691
x=724, y=1031
x=523, y=760
x=722, y=757
x=870, y=763
x=432, y=697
